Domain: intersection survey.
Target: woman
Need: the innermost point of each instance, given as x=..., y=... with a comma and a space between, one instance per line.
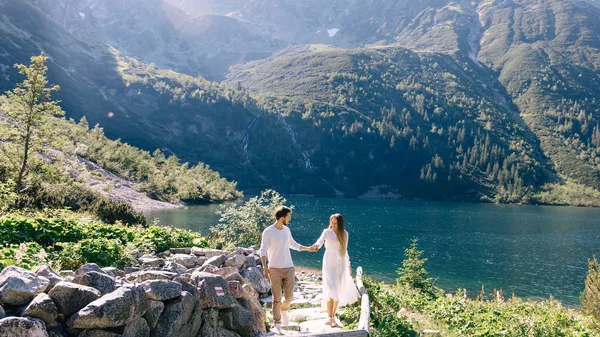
x=338, y=286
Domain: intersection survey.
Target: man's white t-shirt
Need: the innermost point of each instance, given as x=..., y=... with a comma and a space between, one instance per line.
x=276, y=244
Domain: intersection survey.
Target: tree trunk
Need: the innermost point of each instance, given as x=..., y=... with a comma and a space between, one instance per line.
x=24, y=164
x=26, y=150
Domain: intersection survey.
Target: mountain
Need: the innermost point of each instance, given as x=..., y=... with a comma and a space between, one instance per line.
x=493, y=100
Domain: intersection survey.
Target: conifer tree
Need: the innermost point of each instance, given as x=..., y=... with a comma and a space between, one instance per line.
x=27, y=107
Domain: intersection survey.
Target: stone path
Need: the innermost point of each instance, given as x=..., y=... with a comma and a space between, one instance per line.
x=306, y=315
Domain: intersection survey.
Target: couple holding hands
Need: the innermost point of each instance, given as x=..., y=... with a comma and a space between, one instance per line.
x=338, y=286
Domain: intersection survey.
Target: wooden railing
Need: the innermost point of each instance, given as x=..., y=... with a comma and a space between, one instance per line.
x=365, y=314
x=364, y=322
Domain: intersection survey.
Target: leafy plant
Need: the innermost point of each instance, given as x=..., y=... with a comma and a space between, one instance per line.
x=68, y=241
x=27, y=109
x=243, y=224
x=590, y=296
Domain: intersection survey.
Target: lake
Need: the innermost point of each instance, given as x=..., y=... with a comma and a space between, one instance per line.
x=533, y=251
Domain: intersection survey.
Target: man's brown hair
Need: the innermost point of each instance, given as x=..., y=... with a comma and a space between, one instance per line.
x=282, y=212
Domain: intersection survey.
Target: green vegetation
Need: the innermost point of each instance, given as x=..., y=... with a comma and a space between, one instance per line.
x=590, y=297
x=50, y=162
x=412, y=273
x=403, y=310
x=428, y=134
x=160, y=177
x=65, y=240
x=27, y=109
x=243, y=224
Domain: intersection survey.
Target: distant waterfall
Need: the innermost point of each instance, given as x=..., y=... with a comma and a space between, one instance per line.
x=290, y=132
x=246, y=137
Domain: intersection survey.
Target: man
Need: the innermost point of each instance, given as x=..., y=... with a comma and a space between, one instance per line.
x=275, y=246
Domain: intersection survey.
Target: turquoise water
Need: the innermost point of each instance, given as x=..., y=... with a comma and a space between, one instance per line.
x=533, y=251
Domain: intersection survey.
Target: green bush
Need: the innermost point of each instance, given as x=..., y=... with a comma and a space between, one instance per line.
x=104, y=252
x=404, y=311
x=590, y=296
x=111, y=211
x=77, y=197
x=243, y=224
x=46, y=232
x=69, y=242
x=163, y=238
x=384, y=312
x=25, y=255
x=8, y=197
x=412, y=273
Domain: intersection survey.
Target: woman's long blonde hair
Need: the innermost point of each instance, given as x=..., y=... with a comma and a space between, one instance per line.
x=341, y=232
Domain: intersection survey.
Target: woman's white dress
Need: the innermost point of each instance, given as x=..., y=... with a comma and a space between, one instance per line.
x=337, y=281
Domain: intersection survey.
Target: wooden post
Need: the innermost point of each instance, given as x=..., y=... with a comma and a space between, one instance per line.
x=365, y=308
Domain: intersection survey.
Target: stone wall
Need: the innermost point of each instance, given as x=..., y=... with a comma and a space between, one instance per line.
x=186, y=292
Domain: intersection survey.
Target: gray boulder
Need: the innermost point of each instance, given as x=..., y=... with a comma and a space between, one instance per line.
x=87, y=268
x=174, y=267
x=198, y=251
x=216, y=261
x=117, y=308
x=114, y=272
x=137, y=328
x=99, y=333
x=22, y=327
x=187, y=261
x=213, y=327
x=235, y=277
x=55, y=329
x=208, y=268
x=41, y=307
x=162, y=290
x=19, y=286
x=254, y=277
x=155, y=275
x=2, y=312
x=207, y=252
x=186, y=251
x=249, y=261
x=153, y=313
x=130, y=270
x=50, y=274
x=201, y=260
x=238, y=319
x=252, y=304
x=236, y=260
x=186, y=286
x=225, y=271
x=104, y=283
x=213, y=291
x=180, y=318
x=151, y=261
x=236, y=289
x=71, y=297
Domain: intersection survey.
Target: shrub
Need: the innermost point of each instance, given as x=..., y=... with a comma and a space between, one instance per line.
x=25, y=255
x=76, y=197
x=46, y=232
x=590, y=296
x=243, y=224
x=7, y=195
x=104, y=252
x=71, y=242
x=412, y=273
x=111, y=211
x=162, y=238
